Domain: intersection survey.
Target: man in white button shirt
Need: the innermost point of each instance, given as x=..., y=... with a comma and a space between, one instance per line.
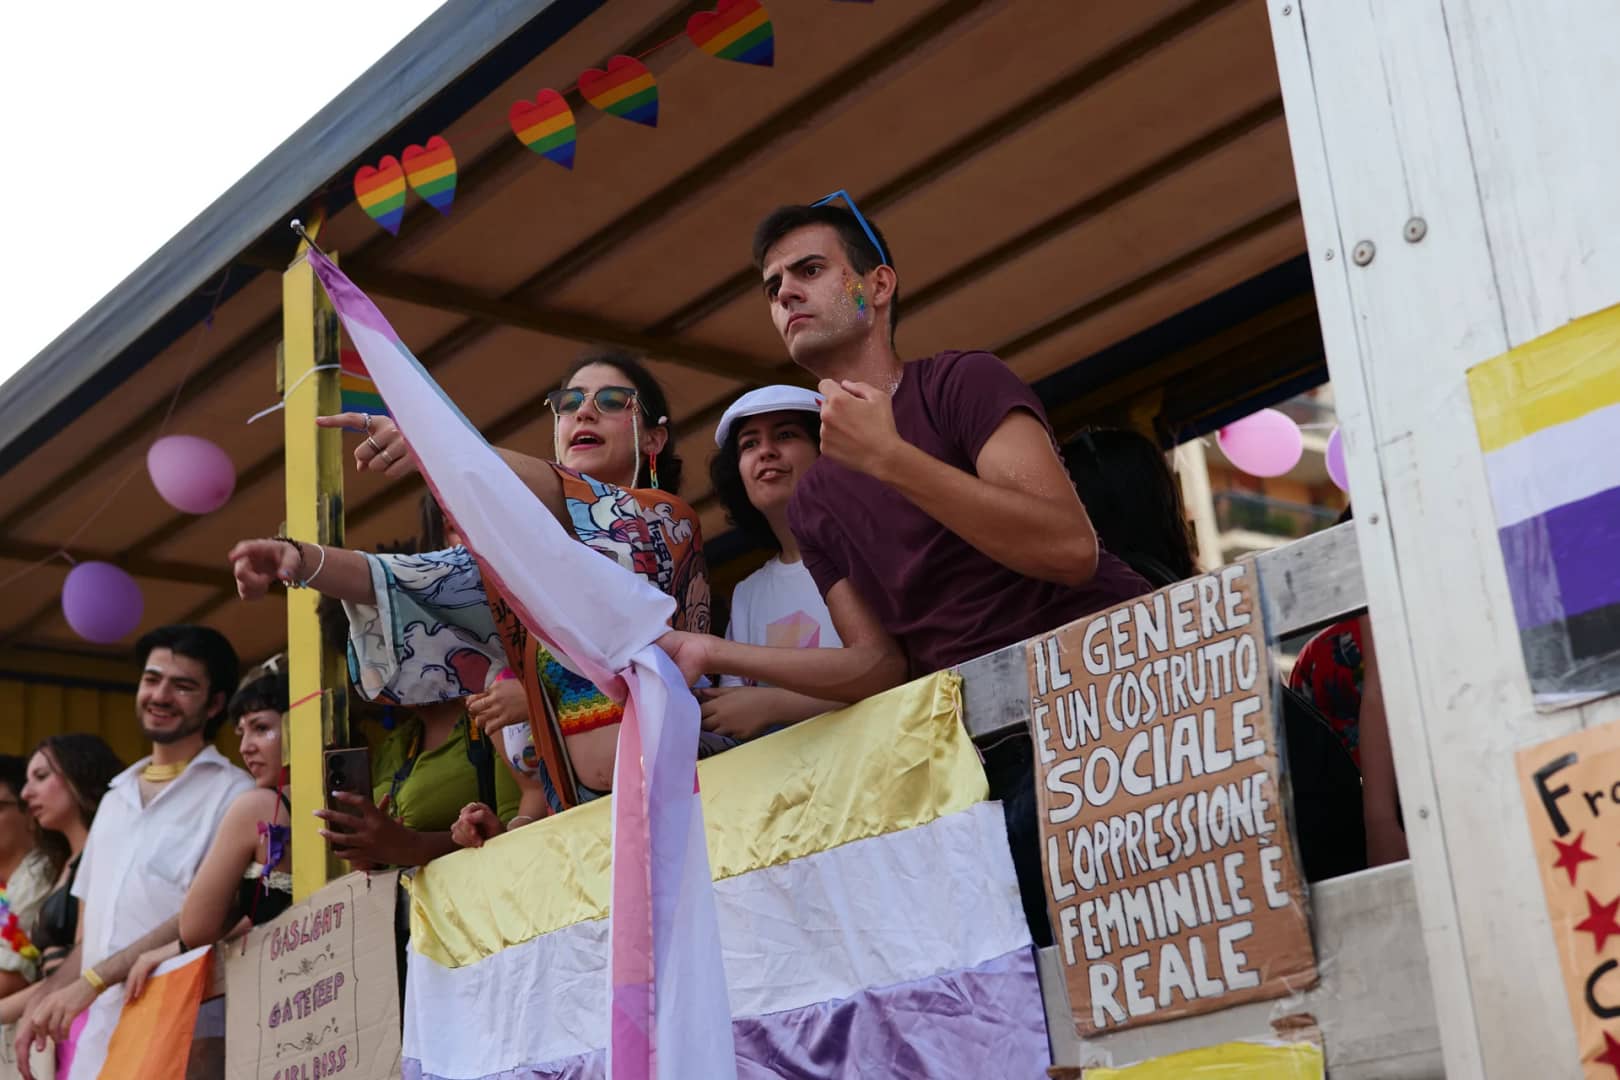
x=150, y=834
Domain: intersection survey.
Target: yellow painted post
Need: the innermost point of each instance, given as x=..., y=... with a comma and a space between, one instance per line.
x=314, y=467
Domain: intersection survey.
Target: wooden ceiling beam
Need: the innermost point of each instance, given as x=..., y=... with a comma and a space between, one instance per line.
x=455, y=299
x=137, y=565
x=857, y=79
x=970, y=146
x=1165, y=271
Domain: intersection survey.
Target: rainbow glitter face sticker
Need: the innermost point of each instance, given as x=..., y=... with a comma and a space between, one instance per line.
x=856, y=291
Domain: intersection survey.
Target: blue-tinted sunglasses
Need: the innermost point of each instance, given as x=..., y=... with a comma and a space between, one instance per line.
x=860, y=219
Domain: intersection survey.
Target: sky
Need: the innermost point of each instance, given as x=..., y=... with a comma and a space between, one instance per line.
x=122, y=122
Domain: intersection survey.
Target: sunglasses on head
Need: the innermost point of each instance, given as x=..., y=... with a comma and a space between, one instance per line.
x=608, y=399
x=860, y=219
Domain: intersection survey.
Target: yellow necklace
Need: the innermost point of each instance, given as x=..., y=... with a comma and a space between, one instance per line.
x=162, y=774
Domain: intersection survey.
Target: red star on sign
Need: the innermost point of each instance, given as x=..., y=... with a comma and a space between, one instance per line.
x=1571, y=855
x=1610, y=1055
x=1600, y=920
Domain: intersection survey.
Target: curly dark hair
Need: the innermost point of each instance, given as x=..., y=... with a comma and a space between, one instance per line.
x=654, y=404
x=88, y=765
x=725, y=473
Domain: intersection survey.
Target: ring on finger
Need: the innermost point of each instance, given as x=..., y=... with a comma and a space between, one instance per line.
x=374, y=444
x=388, y=458
x=368, y=423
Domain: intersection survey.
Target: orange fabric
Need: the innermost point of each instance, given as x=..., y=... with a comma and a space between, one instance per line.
x=153, y=1036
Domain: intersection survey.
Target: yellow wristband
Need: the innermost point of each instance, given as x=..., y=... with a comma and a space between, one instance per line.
x=97, y=983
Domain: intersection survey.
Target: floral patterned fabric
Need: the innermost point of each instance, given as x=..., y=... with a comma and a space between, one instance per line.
x=1329, y=671
x=17, y=952
x=435, y=632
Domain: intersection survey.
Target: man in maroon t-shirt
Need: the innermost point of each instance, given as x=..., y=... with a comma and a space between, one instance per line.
x=939, y=522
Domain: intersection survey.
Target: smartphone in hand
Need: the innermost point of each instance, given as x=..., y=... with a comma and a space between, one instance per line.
x=348, y=771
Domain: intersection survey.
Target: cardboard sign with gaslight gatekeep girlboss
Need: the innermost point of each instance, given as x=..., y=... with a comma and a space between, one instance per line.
x=1171, y=876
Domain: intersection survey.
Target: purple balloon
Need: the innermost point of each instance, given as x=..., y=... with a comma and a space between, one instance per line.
x=102, y=603
x=1266, y=443
x=1335, y=462
x=191, y=473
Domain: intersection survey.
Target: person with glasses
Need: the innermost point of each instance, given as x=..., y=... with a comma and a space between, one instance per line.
x=425, y=627
x=938, y=522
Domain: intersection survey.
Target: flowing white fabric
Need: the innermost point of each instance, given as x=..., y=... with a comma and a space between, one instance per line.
x=669, y=1012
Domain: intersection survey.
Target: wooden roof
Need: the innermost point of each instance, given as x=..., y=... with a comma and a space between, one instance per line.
x=1059, y=182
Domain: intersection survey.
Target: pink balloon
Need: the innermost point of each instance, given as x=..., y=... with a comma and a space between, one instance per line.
x=1266, y=443
x=192, y=474
x=102, y=603
x=1335, y=462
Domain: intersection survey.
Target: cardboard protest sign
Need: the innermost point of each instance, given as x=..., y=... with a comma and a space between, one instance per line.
x=315, y=993
x=1572, y=795
x=1171, y=876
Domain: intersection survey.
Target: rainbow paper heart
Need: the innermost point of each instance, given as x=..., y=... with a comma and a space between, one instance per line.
x=381, y=192
x=626, y=90
x=431, y=172
x=546, y=126
x=737, y=30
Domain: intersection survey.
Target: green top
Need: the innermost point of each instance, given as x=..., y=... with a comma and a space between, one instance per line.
x=443, y=781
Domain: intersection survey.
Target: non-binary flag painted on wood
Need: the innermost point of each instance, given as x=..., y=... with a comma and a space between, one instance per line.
x=1548, y=415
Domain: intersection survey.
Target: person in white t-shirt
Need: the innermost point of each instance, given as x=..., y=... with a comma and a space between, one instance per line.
x=767, y=439
x=150, y=834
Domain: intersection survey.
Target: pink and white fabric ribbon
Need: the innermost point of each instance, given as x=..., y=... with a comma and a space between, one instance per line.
x=670, y=1014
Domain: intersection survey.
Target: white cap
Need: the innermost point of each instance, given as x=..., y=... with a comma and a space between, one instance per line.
x=767, y=399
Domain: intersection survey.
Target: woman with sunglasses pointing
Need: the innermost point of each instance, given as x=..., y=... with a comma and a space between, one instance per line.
x=425, y=627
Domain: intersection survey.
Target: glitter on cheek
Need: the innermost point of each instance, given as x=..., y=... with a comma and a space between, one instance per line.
x=856, y=292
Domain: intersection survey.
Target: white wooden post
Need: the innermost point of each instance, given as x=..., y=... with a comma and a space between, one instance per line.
x=1459, y=169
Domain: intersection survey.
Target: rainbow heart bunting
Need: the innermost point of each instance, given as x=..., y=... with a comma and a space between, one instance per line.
x=626, y=90
x=381, y=192
x=431, y=172
x=737, y=30
x=546, y=126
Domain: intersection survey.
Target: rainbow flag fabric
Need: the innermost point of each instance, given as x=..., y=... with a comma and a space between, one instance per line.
x=153, y=1036
x=868, y=910
x=354, y=382
x=1548, y=415
x=665, y=987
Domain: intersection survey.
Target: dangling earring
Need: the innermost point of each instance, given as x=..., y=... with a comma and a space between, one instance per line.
x=652, y=468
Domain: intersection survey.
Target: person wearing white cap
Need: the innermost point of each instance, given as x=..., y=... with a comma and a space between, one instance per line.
x=767, y=440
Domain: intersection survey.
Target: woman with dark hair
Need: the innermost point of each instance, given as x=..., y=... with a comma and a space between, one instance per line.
x=1134, y=502
x=425, y=628
x=247, y=873
x=767, y=440
x=67, y=777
